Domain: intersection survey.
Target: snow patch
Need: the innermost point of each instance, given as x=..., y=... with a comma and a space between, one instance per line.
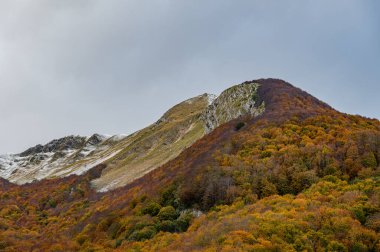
x=92, y=164
x=211, y=98
x=117, y=137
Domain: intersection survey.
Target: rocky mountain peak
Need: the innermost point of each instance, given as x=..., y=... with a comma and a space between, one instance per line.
x=65, y=143
x=95, y=139
x=232, y=103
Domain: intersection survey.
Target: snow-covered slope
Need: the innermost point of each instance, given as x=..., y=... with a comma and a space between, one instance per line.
x=60, y=157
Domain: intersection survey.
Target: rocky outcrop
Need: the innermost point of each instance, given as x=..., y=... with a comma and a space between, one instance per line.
x=65, y=143
x=95, y=139
x=232, y=103
x=60, y=157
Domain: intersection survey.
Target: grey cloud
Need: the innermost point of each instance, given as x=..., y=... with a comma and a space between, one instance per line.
x=78, y=67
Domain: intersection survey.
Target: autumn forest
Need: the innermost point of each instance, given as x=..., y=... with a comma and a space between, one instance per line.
x=299, y=177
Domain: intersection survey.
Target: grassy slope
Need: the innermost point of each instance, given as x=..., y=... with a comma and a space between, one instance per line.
x=155, y=145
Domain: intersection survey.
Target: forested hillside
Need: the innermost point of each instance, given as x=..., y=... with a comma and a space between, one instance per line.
x=301, y=176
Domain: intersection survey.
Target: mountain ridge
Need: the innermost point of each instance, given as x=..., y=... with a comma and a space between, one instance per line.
x=133, y=156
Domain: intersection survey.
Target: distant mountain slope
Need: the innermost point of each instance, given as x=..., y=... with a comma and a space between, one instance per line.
x=153, y=146
x=178, y=129
x=298, y=176
x=131, y=157
x=128, y=157
x=60, y=157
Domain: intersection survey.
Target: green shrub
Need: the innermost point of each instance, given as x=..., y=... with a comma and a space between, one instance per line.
x=369, y=160
x=167, y=213
x=113, y=230
x=239, y=125
x=52, y=203
x=3, y=245
x=81, y=239
x=359, y=247
x=118, y=242
x=143, y=234
x=302, y=180
x=168, y=226
x=265, y=154
x=142, y=224
x=152, y=208
x=169, y=197
x=359, y=214
x=335, y=246
x=133, y=203
x=183, y=221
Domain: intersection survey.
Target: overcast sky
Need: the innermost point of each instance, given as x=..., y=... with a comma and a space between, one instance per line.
x=79, y=67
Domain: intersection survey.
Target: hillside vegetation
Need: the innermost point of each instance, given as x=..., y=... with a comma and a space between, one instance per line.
x=301, y=176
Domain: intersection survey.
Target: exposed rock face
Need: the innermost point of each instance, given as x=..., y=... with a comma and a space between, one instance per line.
x=65, y=143
x=232, y=103
x=95, y=139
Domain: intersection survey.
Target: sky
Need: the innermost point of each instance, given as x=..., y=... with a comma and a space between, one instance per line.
x=85, y=66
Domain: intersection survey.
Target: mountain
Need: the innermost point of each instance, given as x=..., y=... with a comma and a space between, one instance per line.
x=130, y=157
x=60, y=157
x=156, y=144
x=175, y=131
x=278, y=170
